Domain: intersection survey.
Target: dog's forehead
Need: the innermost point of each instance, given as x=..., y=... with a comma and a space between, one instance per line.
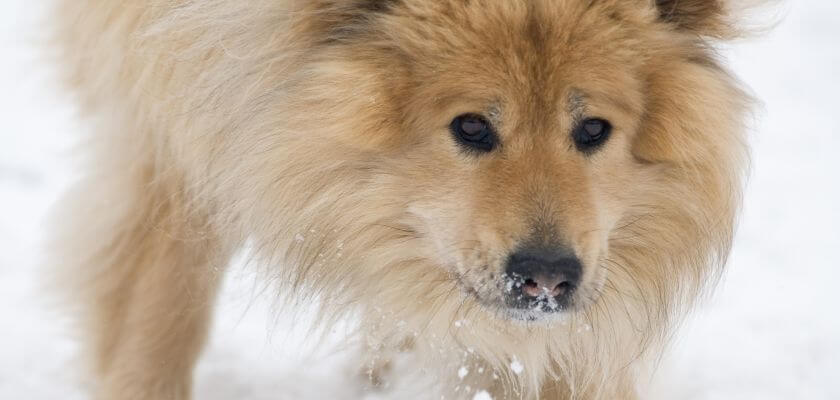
x=526, y=26
x=539, y=48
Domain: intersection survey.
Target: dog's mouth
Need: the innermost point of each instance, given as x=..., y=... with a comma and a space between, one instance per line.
x=544, y=309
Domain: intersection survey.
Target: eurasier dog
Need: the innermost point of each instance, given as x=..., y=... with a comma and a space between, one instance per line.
x=535, y=190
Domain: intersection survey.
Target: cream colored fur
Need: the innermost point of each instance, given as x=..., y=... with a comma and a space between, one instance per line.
x=315, y=129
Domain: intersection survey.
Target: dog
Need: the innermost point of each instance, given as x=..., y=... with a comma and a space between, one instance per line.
x=528, y=195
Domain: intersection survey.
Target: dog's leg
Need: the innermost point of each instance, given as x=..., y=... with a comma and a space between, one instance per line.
x=619, y=388
x=144, y=269
x=377, y=360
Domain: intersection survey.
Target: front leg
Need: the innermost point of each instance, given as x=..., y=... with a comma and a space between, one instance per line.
x=620, y=388
x=144, y=280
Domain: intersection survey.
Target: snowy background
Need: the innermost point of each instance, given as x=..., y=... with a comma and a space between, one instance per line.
x=772, y=331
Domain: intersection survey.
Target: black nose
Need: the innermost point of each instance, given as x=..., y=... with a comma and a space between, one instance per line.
x=542, y=276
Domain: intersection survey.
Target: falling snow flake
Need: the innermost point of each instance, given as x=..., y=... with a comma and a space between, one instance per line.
x=516, y=367
x=462, y=372
x=482, y=395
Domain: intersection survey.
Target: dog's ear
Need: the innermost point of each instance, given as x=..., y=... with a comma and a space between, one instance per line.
x=702, y=17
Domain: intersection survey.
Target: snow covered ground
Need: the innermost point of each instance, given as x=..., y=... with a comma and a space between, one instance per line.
x=772, y=331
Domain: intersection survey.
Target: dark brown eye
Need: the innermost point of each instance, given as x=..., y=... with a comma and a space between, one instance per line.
x=591, y=133
x=473, y=132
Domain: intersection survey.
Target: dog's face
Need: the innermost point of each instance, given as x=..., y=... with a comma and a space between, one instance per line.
x=510, y=131
x=515, y=142
x=531, y=149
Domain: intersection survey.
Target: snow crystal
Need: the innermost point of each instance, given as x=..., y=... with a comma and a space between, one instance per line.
x=482, y=395
x=462, y=372
x=516, y=367
x=508, y=285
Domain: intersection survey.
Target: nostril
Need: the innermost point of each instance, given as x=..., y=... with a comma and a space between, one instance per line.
x=531, y=288
x=562, y=288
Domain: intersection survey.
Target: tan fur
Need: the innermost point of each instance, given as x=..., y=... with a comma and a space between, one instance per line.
x=316, y=130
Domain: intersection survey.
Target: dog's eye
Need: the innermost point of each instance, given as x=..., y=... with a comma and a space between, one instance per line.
x=474, y=132
x=591, y=133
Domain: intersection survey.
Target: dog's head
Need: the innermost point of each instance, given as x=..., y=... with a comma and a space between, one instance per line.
x=541, y=152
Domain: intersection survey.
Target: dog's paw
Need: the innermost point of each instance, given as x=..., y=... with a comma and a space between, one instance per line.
x=374, y=373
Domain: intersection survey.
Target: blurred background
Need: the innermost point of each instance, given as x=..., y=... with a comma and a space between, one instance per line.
x=772, y=331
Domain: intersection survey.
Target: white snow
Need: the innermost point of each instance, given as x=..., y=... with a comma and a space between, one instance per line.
x=771, y=332
x=482, y=395
x=462, y=372
x=516, y=367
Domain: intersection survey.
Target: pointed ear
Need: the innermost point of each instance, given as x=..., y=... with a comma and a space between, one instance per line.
x=703, y=17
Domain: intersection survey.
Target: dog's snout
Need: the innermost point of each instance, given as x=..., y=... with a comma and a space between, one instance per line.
x=542, y=274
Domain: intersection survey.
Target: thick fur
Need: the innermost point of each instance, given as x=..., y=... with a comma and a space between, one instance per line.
x=316, y=132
